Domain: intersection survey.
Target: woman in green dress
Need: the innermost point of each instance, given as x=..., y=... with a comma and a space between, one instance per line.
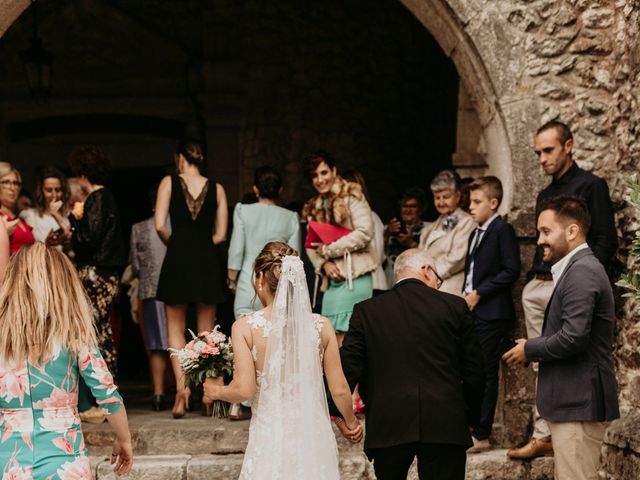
x=344, y=266
x=47, y=343
x=254, y=226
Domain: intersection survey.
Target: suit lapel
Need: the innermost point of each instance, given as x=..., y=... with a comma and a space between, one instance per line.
x=484, y=236
x=574, y=259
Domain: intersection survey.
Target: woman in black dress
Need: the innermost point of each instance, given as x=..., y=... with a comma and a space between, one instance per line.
x=191, y=271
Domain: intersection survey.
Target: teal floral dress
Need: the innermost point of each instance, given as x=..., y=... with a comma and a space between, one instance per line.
x=40, y=435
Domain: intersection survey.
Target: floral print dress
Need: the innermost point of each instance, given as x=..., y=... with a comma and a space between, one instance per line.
x=40, y=435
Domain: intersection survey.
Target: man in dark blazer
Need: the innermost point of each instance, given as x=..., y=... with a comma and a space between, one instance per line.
x=491, y=267
x=576, y=380
x=414, y=354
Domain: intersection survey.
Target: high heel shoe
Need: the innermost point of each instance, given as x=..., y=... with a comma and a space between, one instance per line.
x=181, y=405
x=158, y=403
x=207, y=410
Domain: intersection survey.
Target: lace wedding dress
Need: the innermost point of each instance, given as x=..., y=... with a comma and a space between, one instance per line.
x=290, y=436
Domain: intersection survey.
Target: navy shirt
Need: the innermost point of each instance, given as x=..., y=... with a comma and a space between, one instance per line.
x=602, y=237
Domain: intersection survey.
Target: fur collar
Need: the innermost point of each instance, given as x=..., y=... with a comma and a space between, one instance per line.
x=338, y=211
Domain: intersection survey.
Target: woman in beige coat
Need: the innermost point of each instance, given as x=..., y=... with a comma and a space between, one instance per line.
x=345, y=265
x=447, y=239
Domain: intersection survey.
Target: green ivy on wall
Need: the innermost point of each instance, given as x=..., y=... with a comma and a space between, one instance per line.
x=630, y=281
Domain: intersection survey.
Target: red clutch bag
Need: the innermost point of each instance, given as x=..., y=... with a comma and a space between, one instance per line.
x=324, y=233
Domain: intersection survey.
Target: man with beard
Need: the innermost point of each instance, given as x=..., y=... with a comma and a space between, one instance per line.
x=553, y=145
x=576, y=380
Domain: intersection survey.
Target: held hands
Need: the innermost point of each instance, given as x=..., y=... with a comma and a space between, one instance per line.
x=472, y=300
x=211, y=388
x=516, y=356
x=122, y=457
x=352, y=432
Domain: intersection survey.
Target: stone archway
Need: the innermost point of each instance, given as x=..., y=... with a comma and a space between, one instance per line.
x=523, y=63
x=447, y=21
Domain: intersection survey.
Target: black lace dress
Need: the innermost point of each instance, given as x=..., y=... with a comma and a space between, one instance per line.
x=191, y=271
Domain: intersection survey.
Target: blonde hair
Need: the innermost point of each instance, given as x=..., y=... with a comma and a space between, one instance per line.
x=43, y=306
x=6, y=168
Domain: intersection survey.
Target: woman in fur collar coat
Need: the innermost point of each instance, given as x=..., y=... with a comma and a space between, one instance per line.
x=344, y=266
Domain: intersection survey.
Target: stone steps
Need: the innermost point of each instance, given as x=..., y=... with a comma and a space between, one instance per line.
x=492, y=465
x=200, y=448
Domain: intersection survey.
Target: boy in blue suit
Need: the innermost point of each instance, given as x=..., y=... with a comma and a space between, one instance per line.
x=491, y=268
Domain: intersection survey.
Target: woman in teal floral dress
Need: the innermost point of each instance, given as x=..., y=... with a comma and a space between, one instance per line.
x=47, y=342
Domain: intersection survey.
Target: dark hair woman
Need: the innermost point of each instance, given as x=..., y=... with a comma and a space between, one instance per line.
x=191, y=271
x=49, y=217
x=345, y=264
x=99, y=250
x=253, y=226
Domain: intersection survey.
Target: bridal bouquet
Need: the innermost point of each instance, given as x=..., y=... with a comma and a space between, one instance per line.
x=209, y=354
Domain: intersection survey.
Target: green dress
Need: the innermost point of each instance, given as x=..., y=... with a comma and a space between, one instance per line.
x=40, y=434
x=254, y=226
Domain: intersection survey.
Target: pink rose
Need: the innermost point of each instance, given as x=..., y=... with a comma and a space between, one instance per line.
x=209, y=350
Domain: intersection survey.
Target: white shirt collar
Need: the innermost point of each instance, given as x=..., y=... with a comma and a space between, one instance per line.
x=559, y=267
x=486, y=224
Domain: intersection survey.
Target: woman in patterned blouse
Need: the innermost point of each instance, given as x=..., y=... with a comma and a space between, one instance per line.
x=47, y=343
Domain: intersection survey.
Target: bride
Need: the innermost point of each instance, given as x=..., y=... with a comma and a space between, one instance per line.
x=280, y=353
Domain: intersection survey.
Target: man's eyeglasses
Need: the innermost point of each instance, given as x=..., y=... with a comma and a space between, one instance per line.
x=11, y=183
x=438, y=277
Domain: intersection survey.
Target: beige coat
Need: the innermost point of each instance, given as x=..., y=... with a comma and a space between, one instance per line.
x=347, y=208
x=448, y=248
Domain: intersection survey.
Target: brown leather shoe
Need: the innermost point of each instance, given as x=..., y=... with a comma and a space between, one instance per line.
x=534, y=448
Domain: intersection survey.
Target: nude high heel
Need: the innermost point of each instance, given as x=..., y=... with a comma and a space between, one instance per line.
x=181, y=404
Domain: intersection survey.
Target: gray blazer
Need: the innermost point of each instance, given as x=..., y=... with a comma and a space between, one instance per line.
x=147, y=254
x=577, y=380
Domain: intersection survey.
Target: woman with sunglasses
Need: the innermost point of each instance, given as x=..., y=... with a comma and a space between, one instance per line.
x=20, y=233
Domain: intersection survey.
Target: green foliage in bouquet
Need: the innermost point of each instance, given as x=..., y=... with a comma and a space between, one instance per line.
x=630, y=281
x=209, y=354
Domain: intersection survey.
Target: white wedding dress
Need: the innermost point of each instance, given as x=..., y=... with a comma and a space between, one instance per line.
x=290, y=436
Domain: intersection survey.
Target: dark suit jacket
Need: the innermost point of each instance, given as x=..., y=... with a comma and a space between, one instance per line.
x=496, y=267
x=414, y=353
x=577, y=380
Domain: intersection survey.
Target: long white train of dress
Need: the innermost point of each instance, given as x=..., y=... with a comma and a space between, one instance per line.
x=294, y=439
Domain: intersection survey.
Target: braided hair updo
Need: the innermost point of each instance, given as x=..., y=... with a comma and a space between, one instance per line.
x=269, y=262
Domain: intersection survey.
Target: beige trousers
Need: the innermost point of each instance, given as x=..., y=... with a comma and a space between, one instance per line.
x=576, y=448
x=535, y=297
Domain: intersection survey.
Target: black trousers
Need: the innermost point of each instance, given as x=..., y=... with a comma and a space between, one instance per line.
x=435, y=461
x=490, y=335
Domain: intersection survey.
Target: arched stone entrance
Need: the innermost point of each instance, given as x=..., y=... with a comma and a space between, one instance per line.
x=523, y=63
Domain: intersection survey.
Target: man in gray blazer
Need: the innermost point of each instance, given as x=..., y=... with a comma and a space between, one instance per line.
x=577, y=381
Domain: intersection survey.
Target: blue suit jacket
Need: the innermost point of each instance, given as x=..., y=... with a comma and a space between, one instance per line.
x=496, y=267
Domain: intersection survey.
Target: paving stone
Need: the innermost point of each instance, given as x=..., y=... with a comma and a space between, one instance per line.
x=218, y=467
x=155, y=467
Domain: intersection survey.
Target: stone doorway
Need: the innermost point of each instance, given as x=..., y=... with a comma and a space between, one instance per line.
x=434, y=107
x=400, y=129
